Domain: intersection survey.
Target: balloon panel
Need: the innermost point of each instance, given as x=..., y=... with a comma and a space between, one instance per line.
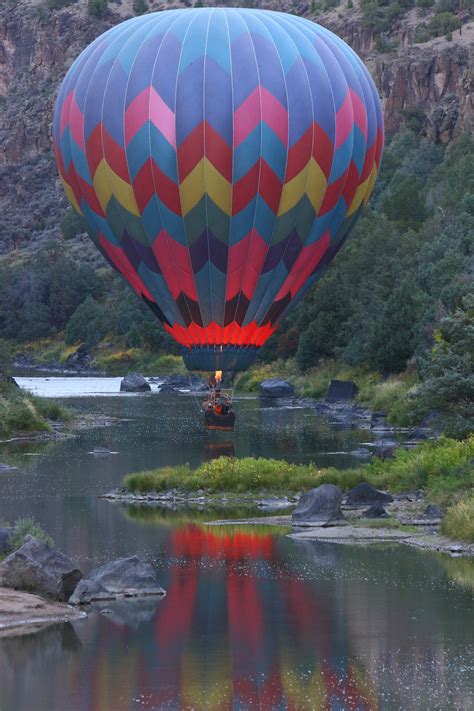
x=220, y=158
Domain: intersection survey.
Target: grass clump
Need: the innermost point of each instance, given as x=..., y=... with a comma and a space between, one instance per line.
x=22, y=412
x=459, y=521
x=443, y=469
x=25, y=527
x=28, y=527
x=240, y=476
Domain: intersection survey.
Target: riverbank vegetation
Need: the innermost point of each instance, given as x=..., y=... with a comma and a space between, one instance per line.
x=20, y=411
x=443, y=469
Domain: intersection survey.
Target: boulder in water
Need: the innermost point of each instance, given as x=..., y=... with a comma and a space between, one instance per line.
x=134, y=383
x=363, y=494
x=319, y=507
x=274, y=388
x=89, y=591
x=126, y=576
x=341, y=391
x=41, y=569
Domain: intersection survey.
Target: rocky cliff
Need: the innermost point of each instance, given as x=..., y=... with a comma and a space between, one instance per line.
x=431, y=82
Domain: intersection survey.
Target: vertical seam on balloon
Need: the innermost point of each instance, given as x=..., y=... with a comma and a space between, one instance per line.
x=296, y=27
x=195, y=14
x=326, y=36
x=213, y=336
x=257, y=13
x=268, y=289
x=114, y=62
x=146, y=36
x=241, y=14
x=154, y=197
x=96, y=224
x=231, y=180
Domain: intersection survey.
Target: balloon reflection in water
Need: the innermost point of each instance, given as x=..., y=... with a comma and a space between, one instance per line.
x=252, y=663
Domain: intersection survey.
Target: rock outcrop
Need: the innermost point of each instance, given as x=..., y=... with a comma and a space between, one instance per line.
x=319, y=507
x=38, y=568
x=341, y=391
x=274, y=388
x=364, y=494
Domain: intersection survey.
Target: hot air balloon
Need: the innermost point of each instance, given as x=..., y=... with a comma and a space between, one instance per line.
x=220, y=158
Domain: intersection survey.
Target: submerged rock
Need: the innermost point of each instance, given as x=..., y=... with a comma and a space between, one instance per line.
x=39, y=568
x=366, y=494
x=361, y=452
x=134, y=383
x=123, y=576
x=273, y=387
x=319, y=507
x=375, y=511
x=101, y=451
x=89, y=591
x=341, y=391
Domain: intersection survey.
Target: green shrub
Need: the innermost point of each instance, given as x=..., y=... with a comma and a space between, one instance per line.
x=459, y=521
x=140, y=6
x=28, y=526
x=72, y=224
x=97, y=8
x=87, y=324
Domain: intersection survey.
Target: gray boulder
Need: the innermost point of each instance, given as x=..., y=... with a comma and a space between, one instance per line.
x=319, y=507
x=89, y=591
x=433, y=512
x=38, y=568
x=5, y=539
x=374, y=511
x=273, y=388
x=341, y=391
x=134, y=383
x=126, y=576
x=363, y=494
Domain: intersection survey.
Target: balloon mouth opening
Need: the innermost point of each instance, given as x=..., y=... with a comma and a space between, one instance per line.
x=219, y=358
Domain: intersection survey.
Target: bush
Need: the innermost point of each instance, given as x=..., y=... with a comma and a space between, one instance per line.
x=459, y=521
x=87, y=324
x=72, y=224
x=139, y=7
x=97, y=8
x=28, y=526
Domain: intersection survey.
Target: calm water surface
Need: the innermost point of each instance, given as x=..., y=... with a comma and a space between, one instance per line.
x=252, y=619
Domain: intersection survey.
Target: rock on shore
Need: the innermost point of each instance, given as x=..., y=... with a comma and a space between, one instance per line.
x=364, y=494
x=319, y=507
x=37, y=567
x=275, y=388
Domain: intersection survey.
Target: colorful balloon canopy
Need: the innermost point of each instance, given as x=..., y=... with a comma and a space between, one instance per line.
x=220, y=158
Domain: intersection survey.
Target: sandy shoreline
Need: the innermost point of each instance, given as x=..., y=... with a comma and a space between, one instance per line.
x=24, y=610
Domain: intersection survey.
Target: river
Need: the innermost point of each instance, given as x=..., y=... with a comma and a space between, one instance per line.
x=252, y=619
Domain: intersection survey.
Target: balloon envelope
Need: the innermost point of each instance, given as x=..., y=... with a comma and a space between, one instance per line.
x=220, y=158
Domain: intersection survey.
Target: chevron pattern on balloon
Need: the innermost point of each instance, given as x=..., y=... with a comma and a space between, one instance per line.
x=220, y=158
